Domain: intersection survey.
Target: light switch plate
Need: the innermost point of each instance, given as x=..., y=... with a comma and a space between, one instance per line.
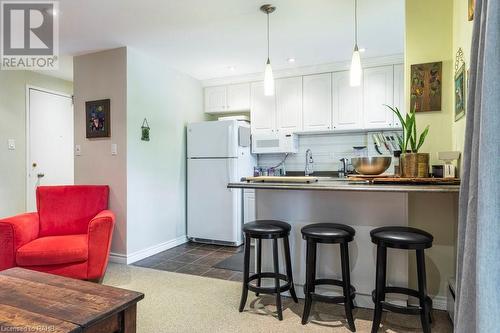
x=78, y=150
x=11, y=143
x=114, y=149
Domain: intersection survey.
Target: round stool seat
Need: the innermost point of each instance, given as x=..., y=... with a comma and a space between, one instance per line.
x=267, y=229
x=402, y=238
x=328, y=232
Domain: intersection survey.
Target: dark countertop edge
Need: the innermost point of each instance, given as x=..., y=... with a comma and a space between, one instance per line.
x=347, y=187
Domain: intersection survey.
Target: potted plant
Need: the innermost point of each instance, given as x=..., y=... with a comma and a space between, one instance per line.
x=413, y=164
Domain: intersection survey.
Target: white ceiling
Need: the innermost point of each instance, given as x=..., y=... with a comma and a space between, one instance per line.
x=205, y=37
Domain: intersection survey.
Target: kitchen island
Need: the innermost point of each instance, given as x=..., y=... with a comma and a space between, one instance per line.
x=364, y=206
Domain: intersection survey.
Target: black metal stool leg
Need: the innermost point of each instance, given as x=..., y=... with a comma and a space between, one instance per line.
x=422, y=292
x=380, y=286
x=277, y=279
x=346, y=280
x=259, y=261
x=288, y=261
x=246, y=266
x=309, y=281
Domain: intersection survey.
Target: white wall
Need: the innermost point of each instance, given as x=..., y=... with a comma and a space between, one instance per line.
x=13, y=126
x=97, y=76
x=156, y=170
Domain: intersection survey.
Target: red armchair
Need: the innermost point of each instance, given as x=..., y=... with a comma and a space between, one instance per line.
x=70, y=235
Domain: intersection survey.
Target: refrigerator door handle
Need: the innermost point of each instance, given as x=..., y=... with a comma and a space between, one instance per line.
x=228, y=173
x=229, y=140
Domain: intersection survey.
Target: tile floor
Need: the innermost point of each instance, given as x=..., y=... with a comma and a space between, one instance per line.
x=195, y=259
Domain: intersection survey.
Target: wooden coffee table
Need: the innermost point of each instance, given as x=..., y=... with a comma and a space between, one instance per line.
x=39, y=302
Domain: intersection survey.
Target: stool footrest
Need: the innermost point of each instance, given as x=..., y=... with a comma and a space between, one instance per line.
x=410, y=309
x=268, y=290
x=331, y=299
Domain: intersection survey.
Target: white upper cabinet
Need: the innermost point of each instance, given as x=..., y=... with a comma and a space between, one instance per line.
x=289, y=104
x=215, y=99
x=399, y=94
x=230, y=98
x=347, y=103
x=317, y=114
x=238, y=97
x=262, y=110
x=378, y=89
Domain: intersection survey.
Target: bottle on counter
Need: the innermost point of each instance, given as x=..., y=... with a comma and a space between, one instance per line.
x=397, y=163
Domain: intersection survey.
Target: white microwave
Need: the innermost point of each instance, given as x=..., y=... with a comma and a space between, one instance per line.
x=275, y=143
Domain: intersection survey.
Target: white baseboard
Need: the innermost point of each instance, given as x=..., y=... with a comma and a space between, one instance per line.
x=141, y=254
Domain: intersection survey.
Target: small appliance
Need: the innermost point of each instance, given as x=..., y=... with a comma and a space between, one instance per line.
x=449, y=170
x=274, y=143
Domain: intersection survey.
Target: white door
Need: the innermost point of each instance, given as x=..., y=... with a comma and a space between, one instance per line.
x=215, y=99
x=263, y=110
x=212, y=139
x=347, y=103
x=50, y=138
x=289, y=104
x=317, y=102
x=214, y=211
x=238, y=97
x=378, y=89
x=249, y=208
x=399, y=94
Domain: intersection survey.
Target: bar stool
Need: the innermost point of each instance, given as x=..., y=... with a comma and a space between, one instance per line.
x=267, y=229
x=404, y=238
x=328, y=233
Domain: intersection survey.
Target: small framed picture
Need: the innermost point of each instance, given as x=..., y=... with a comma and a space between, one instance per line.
x=460, y=93
x=98, y=119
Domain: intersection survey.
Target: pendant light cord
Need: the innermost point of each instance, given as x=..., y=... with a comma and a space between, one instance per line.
x=356, y=24
x=268, y=36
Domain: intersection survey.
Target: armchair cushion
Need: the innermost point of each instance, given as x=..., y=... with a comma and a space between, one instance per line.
x=53, y=250
x=15, y=232
x=67, y=210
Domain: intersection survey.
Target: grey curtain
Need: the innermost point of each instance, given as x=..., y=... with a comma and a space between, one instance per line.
x=477, y=307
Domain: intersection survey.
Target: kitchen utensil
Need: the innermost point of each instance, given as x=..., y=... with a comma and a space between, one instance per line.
x=377, y=143
x=371, y=165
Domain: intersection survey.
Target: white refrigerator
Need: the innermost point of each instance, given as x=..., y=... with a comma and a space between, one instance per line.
x=218, y=152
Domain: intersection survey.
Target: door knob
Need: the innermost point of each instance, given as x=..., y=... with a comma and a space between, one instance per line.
x=40, y=175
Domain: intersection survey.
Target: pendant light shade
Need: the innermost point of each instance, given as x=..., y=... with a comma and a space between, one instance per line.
x=356, y=70
x=268, y=72
x=268, y=80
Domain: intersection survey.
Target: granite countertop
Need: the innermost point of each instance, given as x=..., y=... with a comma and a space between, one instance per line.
x=338, y=184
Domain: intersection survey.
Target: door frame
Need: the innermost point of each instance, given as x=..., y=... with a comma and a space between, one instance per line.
x=28, y=146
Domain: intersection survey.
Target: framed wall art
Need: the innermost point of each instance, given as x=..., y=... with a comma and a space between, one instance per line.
x=460, y=85
x=98, y=119
x=426, y=87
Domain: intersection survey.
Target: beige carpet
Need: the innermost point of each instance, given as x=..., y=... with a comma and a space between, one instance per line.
x=186, y=303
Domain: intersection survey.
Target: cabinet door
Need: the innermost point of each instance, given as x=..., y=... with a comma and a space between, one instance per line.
x=399, y=95
x=377, y=91
x=215, y=99
x=347, y=103
x=238, y=97
x=249, y=212
x=263, y=110
x=317, y=113
x=289, y=104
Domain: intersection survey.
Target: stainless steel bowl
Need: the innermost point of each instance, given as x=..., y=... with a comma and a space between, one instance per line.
x=371, y=165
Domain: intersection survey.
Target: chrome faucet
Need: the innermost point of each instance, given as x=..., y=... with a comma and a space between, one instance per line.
x=309, y=163
x=343, y=171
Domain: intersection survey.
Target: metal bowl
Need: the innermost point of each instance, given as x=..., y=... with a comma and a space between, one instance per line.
x=371, y=165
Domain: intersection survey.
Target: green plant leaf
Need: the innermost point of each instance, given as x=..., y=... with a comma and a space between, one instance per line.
x=398, y=114
x=422, y=137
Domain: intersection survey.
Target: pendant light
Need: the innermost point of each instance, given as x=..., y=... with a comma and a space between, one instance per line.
x=356, y=70
x=268, y=73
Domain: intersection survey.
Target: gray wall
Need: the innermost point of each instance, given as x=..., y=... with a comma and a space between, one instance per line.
x=156, y=170
x=13, y=126
x=98, y=76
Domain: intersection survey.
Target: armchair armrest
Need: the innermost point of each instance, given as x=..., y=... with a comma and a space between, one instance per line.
x=100, y=231
x=16, y=231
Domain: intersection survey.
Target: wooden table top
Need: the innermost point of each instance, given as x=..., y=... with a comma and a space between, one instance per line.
x=29, y=298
